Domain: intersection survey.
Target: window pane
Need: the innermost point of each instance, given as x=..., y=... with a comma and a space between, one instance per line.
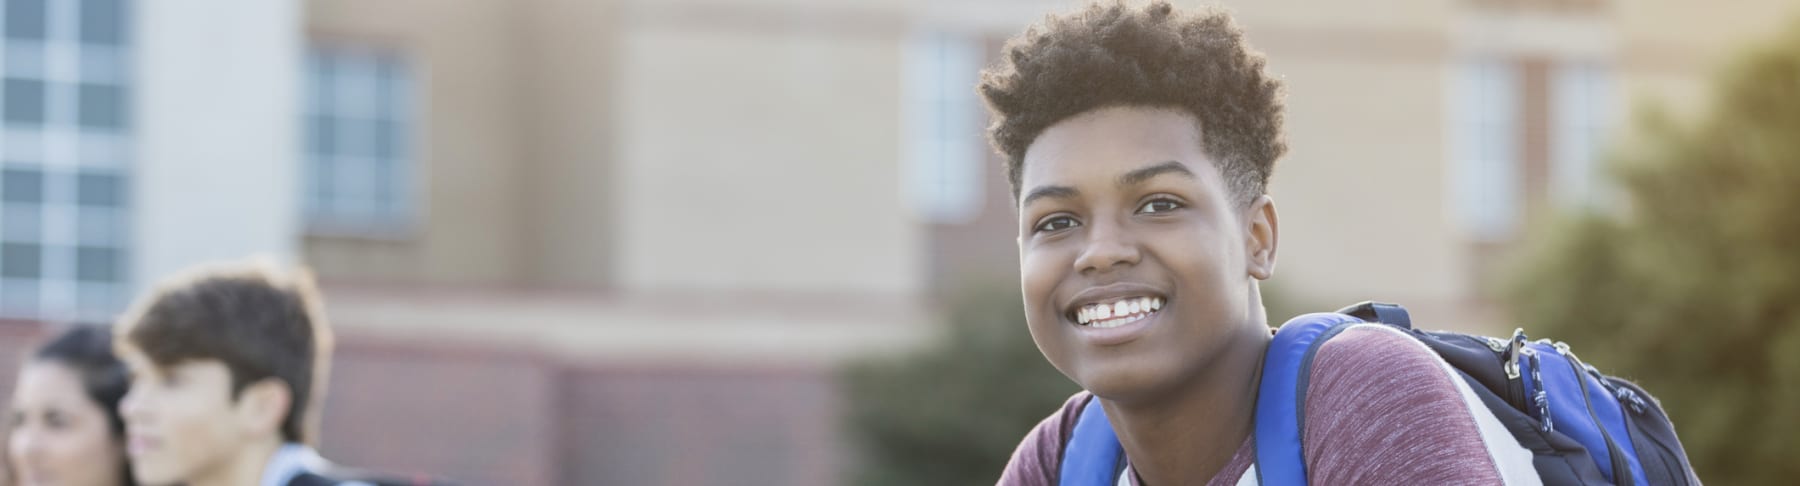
x=20, y=260
x=396, y=91
x=318, y=80
x=24, y=100
x=19, y=297
x=96, y=264
x=387, y=139
x=99, y=227
x=102, y=106
x=23, y=223
x=356, y=90
x=355, y=136
x=22, y=186
x=321, y=135
x=107, y=190
x=25, y=19
x=102, y=21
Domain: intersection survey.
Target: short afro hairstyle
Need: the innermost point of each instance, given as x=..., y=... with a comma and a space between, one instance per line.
x=1112, y=54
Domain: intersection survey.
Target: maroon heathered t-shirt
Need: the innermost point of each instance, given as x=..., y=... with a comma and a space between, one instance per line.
x=1380, y=409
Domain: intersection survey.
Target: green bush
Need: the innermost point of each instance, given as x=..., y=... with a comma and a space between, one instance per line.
x=953, y=413
x=1692, y=288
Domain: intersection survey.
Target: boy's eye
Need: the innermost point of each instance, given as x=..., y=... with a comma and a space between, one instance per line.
x=1159, y=206
x=1056, y=223
x=16, y=420
x=55, y=420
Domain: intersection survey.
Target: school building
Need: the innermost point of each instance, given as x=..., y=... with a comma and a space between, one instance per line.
x=630, y=241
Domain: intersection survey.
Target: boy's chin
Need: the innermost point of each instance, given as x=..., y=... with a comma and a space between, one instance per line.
x=1124, y=382
x=153, y=475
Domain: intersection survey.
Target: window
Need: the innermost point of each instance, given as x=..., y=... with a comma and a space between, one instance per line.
x=358, y=141
x=1582, y=108
x=65, y=248
x=944, y=150
x=1484, y=142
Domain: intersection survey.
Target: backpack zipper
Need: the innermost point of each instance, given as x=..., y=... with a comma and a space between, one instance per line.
x=1621, y=469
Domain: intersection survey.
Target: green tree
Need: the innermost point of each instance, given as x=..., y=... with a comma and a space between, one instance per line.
x=1692, y=287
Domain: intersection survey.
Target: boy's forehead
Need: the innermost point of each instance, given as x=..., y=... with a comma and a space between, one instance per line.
x=1112, y=140
x=135, y=358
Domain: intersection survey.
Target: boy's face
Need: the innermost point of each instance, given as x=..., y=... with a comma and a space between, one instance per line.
x=181, y=421
x=1121, y=211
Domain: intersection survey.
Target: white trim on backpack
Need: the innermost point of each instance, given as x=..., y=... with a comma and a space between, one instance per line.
x=1511, y=460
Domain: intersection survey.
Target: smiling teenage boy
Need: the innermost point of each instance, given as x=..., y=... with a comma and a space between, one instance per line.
x=227, y=364
x=1138, y=142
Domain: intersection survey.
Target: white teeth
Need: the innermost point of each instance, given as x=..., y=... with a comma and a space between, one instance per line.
x=1117, y=313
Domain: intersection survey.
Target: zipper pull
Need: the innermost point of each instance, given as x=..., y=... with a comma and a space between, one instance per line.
x=1511, y=357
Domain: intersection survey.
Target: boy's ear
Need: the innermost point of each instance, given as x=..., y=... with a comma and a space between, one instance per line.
x=264, y=405
x=1261, y=236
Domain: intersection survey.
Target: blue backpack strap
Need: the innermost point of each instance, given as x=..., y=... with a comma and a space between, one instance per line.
x=1280, y=398
x=1092, y=456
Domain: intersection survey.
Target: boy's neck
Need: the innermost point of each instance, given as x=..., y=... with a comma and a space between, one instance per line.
x=244, y=467
x=1190, y=435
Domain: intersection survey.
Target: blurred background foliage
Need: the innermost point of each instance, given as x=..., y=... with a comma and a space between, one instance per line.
x=1692, y=287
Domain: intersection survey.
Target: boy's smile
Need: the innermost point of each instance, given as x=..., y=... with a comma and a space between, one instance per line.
x=1136, y=259
x=1115, y=314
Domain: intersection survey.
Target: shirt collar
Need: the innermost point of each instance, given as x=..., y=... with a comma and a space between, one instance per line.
x=290, y=461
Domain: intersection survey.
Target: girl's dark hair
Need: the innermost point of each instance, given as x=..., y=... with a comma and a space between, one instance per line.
x=87, y=349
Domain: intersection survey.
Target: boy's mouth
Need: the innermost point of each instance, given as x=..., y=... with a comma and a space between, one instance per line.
x=1116, y=312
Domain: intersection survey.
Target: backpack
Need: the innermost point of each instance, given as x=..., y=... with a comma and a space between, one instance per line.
x=1581, y=426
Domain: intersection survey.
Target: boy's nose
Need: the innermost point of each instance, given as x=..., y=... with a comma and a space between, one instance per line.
x=131, y=406
x=1107, y=247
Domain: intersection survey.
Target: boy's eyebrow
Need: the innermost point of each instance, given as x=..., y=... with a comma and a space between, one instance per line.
x=1138, y=176
x=1135, y=177
x=1058, y=192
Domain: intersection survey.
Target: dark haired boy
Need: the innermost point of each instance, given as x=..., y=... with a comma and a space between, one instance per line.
x=227, y=367
x=1139, y=142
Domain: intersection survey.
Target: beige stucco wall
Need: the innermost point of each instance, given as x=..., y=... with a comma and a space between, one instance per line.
x=762, y=152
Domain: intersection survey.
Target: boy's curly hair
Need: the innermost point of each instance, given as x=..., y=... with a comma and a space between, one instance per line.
x=1112, y=54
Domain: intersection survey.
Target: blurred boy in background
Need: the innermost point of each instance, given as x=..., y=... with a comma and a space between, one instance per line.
x=228, y=367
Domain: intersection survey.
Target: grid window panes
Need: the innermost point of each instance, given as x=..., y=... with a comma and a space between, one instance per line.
x=1485, y=154
x=64, y=158
x=1581, y=96
x=358, y=140
x=944, y=145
